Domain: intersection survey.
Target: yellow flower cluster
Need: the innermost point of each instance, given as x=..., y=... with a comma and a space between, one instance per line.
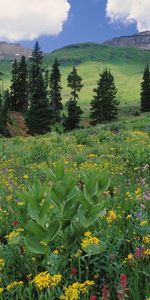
x=14, y=234
x=73, y=291
x=89, y=240
x=111, y=216
x=146, y=239
x=147, y=252
x=2, y=263
x=1, y=290
x=14, y=284
x=143, y=223
x=45, y=280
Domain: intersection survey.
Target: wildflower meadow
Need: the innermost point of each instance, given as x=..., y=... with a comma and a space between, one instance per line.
x=75, y=214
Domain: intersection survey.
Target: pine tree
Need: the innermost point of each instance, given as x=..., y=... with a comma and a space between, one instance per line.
x=75, y=83
x=74, y=111
x=55, y=93
x=145, y=90
x=14, y=86
x=38, y=115
x=22, y=104
x=104, y=106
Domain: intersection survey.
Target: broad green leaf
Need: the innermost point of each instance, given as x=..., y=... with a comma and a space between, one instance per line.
x=53, y=230
x=34, y=245
x=33, y=228
x=59, y=171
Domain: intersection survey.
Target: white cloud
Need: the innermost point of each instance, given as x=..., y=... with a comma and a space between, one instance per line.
x=29, y=19
x=128, y=11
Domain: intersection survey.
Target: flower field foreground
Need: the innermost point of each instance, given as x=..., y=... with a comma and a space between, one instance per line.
x=75, y=214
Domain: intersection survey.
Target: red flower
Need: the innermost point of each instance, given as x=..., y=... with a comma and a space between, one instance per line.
x=105, y=292
x=15, y=223
x=74, y=271
x=123, y=281
x=93, y=297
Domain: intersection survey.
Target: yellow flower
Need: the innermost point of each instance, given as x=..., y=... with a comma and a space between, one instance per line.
x=14, y=234
x=73, y=291
x=26, y=176
x=14, y=284
x=78, y=253
x=146, y=239
x=45, y=280
x=1, y=290
x=130, y=256
x=2, y=263
x=87, y=234
x=143, y=223
x=89, y=240
x=56, y=252
x=147, y=252
x=111, y=216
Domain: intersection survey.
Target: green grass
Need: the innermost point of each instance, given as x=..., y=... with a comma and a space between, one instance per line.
x=99, y=190
x=127, y=65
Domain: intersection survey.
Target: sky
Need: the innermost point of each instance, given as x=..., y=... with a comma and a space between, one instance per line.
x=56, y=23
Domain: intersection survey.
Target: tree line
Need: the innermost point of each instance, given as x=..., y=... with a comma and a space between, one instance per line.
x=36, y=92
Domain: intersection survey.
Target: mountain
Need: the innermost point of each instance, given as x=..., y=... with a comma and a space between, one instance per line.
x=138, y=40
x=11, y=51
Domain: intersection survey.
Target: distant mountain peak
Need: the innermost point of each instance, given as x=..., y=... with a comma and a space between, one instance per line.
x=12, y=51
x=137, y=40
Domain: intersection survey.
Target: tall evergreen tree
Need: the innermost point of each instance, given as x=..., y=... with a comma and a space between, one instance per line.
x=22, y=104
x=145, y=90
x=19, y=86
x=38, y=115
x=104, y=106
x=55, y=93
x=75, y=83
x=14, y=99
x=74, y=111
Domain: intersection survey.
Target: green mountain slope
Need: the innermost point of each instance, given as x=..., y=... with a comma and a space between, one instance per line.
x=127, y=65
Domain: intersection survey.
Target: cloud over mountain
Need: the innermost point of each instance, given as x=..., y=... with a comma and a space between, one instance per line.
x=129, y=11
x=29, y=19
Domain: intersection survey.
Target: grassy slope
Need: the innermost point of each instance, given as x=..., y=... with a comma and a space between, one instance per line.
x=127, y=65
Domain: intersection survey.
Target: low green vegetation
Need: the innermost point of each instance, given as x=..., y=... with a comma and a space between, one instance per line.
x=75, y=213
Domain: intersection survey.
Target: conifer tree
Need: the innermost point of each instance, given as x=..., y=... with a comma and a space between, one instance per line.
x=74, y=111
x=145, y=90
x=22, y=104
x=38, y=115
x=104, y=106
x=14, y=86
x=55, y=93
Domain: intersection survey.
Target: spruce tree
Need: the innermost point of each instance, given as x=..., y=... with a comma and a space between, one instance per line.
x=145, y=90
x=38, y=115
x=55, y=93
x=104, y=106
x=74, y=111
x=14, y=86
x=22, y=104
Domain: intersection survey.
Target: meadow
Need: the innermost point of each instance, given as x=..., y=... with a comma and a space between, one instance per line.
x=127, y=65
x=75, y=214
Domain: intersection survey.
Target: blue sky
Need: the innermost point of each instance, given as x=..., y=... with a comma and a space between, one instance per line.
x=56, y=23
x=87, y=22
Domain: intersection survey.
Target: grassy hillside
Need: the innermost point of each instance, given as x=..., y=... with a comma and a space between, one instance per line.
x=127, y=65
